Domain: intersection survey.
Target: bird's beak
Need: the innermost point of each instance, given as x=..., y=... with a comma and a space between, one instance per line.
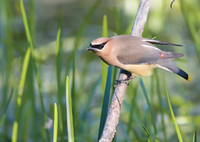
x=89, y=48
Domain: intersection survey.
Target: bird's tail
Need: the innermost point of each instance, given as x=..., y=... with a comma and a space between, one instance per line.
x=171, y=67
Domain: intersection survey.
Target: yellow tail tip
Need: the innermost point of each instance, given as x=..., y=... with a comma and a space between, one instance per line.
x=189, y=78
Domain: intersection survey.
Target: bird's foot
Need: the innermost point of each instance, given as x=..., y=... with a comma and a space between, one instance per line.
x=125, y=81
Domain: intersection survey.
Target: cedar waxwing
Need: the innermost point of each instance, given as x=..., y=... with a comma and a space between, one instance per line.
x=136, y=55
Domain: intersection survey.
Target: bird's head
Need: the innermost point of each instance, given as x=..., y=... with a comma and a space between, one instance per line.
x=98, y=45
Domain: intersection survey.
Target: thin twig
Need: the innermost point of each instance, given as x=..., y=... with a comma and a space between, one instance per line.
x=120, y=89
x=172, y=4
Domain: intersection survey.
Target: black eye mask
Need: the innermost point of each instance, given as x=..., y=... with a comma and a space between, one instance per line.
x=98, y=46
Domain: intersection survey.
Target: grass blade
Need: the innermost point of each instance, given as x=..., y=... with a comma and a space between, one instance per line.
x=23, y=76
x=133, y=103
x=30, y=85
x=73, y=92
x=106, y=98
x=172, y=115
x=147, y=133
x=105, y=27
x=41, y=100
x=2, y=119
x=58, y=56
x=104, y=65
x=59, y=87
x=161, y=105
x=24, y=72
x=106, y=84
x=20, y=91
x=69, y=112
x=191, y=27
x=195, y=136
x=28, y=34
x=55, y=126
x=31, y=18
x=149, y=105
x=114, y=77
x=118, y=20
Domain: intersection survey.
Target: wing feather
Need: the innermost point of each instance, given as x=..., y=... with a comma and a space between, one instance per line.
x=141, y=50
x=145, y=54
x=159, y=42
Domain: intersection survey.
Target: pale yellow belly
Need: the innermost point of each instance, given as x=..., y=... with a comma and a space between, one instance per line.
x=140, y=70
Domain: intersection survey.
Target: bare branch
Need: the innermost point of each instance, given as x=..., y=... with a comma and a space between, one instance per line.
x=141, y=18
x=114, y=110
x=120, y=89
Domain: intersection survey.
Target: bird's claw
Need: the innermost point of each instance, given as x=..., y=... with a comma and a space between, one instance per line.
x=125, y=81
x=121, y=81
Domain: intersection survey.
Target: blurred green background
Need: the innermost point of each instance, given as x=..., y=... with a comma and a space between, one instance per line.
x=80, y=22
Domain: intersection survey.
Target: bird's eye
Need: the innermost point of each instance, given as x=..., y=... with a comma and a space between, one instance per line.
x=102, y=45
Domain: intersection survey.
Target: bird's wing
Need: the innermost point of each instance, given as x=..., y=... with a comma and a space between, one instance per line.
x=145, y=54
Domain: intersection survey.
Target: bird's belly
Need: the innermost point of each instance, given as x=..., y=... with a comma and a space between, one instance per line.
x=140, y=70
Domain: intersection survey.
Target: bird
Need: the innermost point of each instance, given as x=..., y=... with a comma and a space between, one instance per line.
x=137, y=55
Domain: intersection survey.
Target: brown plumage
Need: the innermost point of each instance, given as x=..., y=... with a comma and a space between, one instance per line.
x=136, y=55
